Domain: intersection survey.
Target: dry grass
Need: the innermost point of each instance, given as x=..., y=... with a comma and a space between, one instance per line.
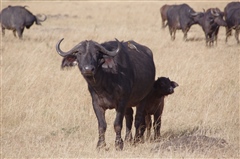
x=47, y=112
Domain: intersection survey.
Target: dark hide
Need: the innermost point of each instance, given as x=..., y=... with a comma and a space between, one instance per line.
x=114, y=82
x=16, y=18
x=232, y=17
x=180, y=17
x=210, y=21
x=153, y=104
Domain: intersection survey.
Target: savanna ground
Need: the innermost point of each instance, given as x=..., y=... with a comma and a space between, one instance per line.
x=47, y=112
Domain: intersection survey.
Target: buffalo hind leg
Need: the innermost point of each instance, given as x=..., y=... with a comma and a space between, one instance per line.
x=129, y=121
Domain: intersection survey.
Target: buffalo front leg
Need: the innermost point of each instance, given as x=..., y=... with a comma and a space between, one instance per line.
x=157, y=126
x=129, y=121
x=237, y=34
x=102, y=126
x=118, y=125
x=140, y=124
x=20, y=32
x=148, y=121
x=3, y=31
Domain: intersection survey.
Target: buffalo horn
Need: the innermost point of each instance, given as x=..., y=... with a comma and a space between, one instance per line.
x=214, y=13
x=63, y=54
x=194, y=14
x=42, y=15
x=109, y=53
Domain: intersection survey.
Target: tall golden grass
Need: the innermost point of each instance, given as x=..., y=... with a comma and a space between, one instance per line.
x=47, y=112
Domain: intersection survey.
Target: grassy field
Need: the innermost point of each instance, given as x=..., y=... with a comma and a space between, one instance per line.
x=47, y=112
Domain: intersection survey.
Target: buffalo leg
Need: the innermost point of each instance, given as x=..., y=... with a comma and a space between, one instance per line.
x=185, y=31
x=129, y=120
x=172, y=33
x=118, y=125
x=237, y=34
x=102, y=125
x=228, y=33
x=20, y=31
x=157, y=126
x=14, y=33
x=3, y=31
x=148, y=121
x=140, y=125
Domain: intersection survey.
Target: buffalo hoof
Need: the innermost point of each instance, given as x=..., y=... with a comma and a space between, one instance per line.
x=128, y=137
x=138, y=140
x=119, y=144
x=101, y=144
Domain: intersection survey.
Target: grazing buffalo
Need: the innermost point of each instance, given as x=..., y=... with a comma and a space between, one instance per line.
x=180, y=17
x=232, y=17
x=118, y=77
x=16, y=18
x=210, y=21
x=163, y=13
x=153, y=104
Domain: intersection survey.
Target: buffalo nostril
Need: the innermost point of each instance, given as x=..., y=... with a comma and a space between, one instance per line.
x=89, y=69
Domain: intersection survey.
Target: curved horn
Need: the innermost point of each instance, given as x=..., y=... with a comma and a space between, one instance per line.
x=110, y=53
x=41, y=20
x=194, y=14
x=60, y=52
x=214, y=13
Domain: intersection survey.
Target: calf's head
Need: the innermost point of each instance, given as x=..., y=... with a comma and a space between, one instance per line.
x=89, y=56
x=164, y=86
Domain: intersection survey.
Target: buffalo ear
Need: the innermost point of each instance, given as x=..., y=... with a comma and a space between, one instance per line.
x=174, y=84
x=69, y=61
x=108, y=62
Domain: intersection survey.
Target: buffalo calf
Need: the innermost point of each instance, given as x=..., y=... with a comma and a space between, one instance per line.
x=153, y=104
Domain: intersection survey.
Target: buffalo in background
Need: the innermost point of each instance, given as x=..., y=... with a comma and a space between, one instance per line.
x=210, y=21
x=118, y=77
x=180, y=17
x=232, y=17
x=16, y=18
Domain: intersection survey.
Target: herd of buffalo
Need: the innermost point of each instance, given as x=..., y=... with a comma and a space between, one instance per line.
x=121, y=75
x=183, y=17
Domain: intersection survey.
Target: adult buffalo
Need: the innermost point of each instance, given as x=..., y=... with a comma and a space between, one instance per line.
x=210, y=21
x=16, y=18
x=180, y=17
x=232, y=17
x=118, y=77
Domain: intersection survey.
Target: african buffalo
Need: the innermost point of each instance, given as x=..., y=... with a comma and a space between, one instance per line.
x=180, y=17
x=153, y=104
x=163, y=13
x=16, y=18
x=210, y=21
x=232, y=17
x=118, y=76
